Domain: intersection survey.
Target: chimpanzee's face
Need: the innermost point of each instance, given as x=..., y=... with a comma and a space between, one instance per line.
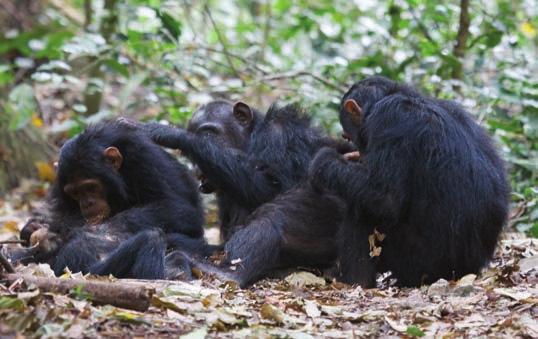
x=90, y=194
x=84, y=178
x=228, y=124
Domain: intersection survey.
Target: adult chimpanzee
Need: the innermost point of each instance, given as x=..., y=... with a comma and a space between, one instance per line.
x=428, y=179
x=248, y=159
x=117, y=202
x=251, y=161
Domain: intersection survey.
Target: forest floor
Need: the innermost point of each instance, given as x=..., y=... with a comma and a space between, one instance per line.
x=502, y=301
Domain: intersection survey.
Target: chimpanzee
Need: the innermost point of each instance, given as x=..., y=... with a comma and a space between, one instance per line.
x=270, y=217
x=248, y=159
x=118, y=201
x=428, y=196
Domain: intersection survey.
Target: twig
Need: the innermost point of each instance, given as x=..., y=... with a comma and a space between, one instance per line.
x=11, y=242
x=69, y=12
x=266, y=30
x=10, y=8
x=223, y=43
x=304, y=73
x=461, y=39
x=88, y=13
x=421, y=26
x=6, y=264
x=121, y=294
x=250, y=63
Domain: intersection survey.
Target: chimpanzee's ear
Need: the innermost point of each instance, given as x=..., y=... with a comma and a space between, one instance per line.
x=243, y=113
x=354, y=110
x=113, y=157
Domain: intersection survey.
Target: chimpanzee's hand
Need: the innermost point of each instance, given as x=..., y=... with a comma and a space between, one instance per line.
x=352, y=156
x=129, y=123
x=30, y=227
x=344, y=146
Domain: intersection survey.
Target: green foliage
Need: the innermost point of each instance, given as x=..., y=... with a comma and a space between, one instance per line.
x=165, y=57
x=414, y=331
x=20, y=106
x=11, y=303
x=80, y=294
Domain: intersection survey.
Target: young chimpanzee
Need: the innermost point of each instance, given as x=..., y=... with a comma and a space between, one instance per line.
x=429, y=190
x=119, y=199
x=257, y=166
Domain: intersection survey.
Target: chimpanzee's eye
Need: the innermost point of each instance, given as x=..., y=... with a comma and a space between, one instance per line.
x=208, y=130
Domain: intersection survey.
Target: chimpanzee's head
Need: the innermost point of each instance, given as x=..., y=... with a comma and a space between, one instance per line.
x=88, y=176
x=358, y=102
x=230, y=124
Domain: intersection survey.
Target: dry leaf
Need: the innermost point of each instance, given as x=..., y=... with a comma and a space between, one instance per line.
x=311, y=309
x=11, y=226
x=301, y=279
x=45, y=171
x=270, y=312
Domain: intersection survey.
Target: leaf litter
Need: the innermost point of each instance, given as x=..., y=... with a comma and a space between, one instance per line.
x=501, y=301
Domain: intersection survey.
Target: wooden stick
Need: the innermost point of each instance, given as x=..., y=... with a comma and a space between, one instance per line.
x=5, y=242
x=5, y=263
x=126, y=295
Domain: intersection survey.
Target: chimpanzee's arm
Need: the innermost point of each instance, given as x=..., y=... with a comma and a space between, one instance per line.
x=329, y=170
x=170, y=216
x=340, y=145
x=229, y=169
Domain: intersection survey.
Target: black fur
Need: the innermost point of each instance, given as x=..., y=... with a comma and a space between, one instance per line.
x=271, y=218
x=246, y=168
x=428, y=178
x=151, y=195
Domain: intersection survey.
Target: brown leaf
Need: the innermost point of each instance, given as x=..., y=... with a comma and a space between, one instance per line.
x=270, y=312
x=45, y=171
x=301, y=279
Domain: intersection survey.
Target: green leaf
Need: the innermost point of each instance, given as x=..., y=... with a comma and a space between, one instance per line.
x=6, y=74
x=534, y=230
x=117, y=67
x=128, y=317
x=86, y=45
x=133, y=83
x=21, y=105
x=493, y=38
x=170, y=24
x=11, y=303
x=414, y=331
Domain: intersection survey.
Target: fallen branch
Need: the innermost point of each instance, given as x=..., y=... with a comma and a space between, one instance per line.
x=4, y=242
x=120, y=294
x=5, y=263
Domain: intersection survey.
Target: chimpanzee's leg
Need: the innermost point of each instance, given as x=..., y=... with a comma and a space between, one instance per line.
x=140, y=257
x=298, y=228
x=254, y=250
x=79, y=254
x=355, y=263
